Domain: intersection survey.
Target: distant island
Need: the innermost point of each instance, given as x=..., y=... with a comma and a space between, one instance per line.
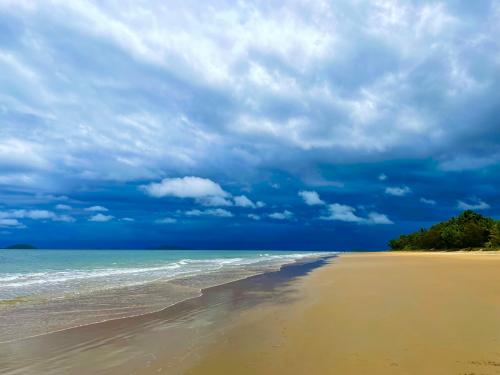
x=20, y=246
x=469, y=230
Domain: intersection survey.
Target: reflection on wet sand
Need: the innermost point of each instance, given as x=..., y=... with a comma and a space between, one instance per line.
x=163, y=342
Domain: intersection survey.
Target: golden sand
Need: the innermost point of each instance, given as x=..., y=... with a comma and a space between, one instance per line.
x=374, y=313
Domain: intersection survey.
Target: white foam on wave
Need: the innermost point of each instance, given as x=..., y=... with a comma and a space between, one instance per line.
x=60, y=282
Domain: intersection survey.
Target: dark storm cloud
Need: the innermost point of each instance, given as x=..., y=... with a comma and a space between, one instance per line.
x=99, y=98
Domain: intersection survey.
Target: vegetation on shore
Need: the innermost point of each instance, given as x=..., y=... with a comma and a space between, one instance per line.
x=469, y=230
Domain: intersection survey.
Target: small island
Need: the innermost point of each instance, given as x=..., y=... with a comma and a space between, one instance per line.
x=20, y=246
x=467, y=231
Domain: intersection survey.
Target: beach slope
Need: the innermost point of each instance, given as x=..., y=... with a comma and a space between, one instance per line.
x=374, y=313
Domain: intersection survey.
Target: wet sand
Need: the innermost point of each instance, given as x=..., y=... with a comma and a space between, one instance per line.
x=165, y=342
x=378, y=313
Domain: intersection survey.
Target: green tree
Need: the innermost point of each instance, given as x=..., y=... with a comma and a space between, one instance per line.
x=494, y=240
x=452, y=236
x=469, y=229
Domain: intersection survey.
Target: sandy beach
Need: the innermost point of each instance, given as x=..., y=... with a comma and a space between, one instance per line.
x=357, y=313
x=378, y=313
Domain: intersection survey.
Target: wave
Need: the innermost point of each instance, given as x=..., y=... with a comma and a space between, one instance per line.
x=80, y=280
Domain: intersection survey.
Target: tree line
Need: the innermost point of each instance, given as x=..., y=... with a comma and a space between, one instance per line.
x=467, y=230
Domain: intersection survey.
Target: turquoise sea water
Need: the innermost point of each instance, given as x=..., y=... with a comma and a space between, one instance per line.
x=48, y=290
x=53, y=272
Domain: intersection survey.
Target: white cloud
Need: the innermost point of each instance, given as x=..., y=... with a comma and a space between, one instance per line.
x=101, y=218
x=254, y=216
x=469, y=162
x=377, y=218
x=35, y=215
x=185, y=187
x=476, y=205
x=311, y=198
x=205, y=191
x=214, y=201
x=10, y=223
x=96, y=209
x=28, y=214
x=285, y=215
x=398, y=191
x=218, y=212
x=22, y=154
x=129, y=219
x=195, y=212
x=382, y=177
x=428, y=201
x=342, y=212
x=260, y=204
x=243, y=201
x=166, y=220
x=64, y=218
x=11, y=61
x=63, y=207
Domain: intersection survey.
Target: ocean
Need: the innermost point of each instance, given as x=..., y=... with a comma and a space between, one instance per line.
x=48, y=290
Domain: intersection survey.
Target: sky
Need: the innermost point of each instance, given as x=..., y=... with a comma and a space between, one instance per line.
x=245, y=124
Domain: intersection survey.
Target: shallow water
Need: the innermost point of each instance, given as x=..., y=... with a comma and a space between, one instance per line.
x=48, y=290
x=167, y=341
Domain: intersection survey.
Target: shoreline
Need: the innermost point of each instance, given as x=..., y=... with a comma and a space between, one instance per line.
x=201, y=291
x=374, y=313
x=176, y=319
x=28, y=316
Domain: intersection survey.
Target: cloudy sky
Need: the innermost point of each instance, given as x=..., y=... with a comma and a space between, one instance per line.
x=245, y=124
